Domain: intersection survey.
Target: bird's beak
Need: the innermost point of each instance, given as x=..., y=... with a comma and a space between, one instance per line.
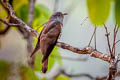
x=65, y=14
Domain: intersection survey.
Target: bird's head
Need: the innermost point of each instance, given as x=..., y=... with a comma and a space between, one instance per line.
x=58, y=16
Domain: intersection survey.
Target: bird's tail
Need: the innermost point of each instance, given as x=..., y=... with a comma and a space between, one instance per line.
x=44, y=65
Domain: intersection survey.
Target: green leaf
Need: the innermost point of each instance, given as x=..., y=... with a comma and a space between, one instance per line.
x=21, y=9
x=41, y=16
x=98, y=11
x=18, y=3
x=54, y=57
x=44, y=79
x=4, y=70
x=51, y=62
x=56, y=54
x=38, y=60
x=22, y=12
x=26, y=73
x=62, y=77
x=3, y=12
x=117, y=12
x=3, y=15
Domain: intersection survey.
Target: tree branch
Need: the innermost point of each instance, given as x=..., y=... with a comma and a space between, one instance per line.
x=7, y=27
x=108, y=40
x=87, y=50
x=30, y=19
x=17, y=20
x=9, y=24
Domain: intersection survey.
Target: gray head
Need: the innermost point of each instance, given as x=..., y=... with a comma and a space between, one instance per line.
x=58, y=16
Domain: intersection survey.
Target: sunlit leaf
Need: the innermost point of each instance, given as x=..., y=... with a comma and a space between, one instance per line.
x=3, y=15
x=41, y=16
x=22, y=12
x=4, y=70
x=54, y=57
x=56, y=54
x=1, y=26
x=98, y=11
x=3, y=12
x=38, y=60
x=51, y=62
x=62, y=77
x=27, y=74
x=117, y=12
x=18, y=3
x=44, y=79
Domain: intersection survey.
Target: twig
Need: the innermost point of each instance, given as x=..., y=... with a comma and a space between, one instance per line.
x=95, y=38
x=109, y=46
x=9, y=24
x=117, y=42
x=88, y=50
x=30, y=19
x=114, y=43
x=31, y=12
x=84, y=21
x=17, y=20
x=92, y=36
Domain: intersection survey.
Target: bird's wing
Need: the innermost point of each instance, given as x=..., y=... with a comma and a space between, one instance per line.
x=37, y=47
x=47, y=48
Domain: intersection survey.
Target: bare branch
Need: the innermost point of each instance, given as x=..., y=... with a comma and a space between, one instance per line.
x=114, y=39
x=30, y=19
x=31, y=12
x=117, y=42
x=88, y=50
x=84, y=20
x=95, y=38
x=92, y=36
x=17, y=20
x=9, y=24
x=108, y=40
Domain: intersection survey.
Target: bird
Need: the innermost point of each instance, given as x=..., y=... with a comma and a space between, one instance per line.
x=48, y=37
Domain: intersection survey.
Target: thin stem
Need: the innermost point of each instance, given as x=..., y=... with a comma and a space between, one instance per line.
x=84, y=20
x=30, y=19
x=92, y=36
x=9, y=24
x=95, y=38
x=108, y=40
x=114, y=39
